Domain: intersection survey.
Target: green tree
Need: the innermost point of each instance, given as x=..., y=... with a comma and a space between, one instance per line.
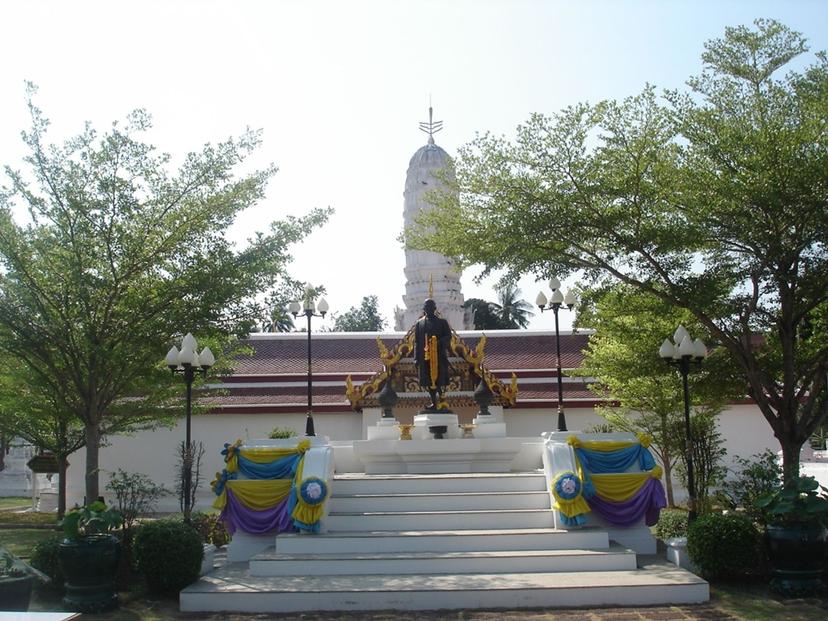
x=28, y=412
x=629, y=328
x=120, y=255
x=362, y=318
x=709, y=470
x=509, y=313
x=484, y=314
x=513, y=312
x=713, y=199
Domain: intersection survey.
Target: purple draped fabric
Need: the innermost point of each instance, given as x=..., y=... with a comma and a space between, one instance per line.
x=238, y=517
x=647, y=502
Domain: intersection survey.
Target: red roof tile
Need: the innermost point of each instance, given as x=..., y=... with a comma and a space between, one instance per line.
x=282, y=359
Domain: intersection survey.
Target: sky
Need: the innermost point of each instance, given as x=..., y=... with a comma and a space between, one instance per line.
x=338, y=89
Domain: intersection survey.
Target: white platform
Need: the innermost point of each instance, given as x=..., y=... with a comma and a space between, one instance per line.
x=434, y=541
x=450, y=455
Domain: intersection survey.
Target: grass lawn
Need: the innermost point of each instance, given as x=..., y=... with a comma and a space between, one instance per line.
x=14, y=502
x=20, y=541
x=28, y=518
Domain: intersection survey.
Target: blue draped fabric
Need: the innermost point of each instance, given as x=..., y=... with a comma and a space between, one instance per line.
x=284, y=468
x=619, y=460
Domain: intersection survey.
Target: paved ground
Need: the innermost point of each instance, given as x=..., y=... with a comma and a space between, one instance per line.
x=704, y=612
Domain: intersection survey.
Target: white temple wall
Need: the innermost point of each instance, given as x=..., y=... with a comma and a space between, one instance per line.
x=154, y=453
x=525, y=423
x=746, y=432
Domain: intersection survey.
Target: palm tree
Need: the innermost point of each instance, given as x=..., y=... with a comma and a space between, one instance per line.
x=512, y=312
x=280, y=321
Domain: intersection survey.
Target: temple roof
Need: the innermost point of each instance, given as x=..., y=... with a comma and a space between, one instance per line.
x=272, y=379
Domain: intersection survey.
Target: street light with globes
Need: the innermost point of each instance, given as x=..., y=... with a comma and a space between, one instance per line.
x=682, y=353
x=554, y=303
x=188, y=363
x=309, y=310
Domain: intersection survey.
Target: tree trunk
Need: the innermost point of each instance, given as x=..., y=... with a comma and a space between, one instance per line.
x=93, y=439
x=668, y=483
x=62, y=466
x=790, y=458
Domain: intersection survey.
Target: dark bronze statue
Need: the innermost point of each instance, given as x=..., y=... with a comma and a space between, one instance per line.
x=433, y=337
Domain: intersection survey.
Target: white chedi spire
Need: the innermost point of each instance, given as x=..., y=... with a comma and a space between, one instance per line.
x=425, y=269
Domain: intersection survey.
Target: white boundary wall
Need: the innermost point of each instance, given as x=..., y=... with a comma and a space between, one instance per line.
x=153, y=453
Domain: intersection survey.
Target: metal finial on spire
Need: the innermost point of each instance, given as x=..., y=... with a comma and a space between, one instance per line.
x=432, y=127
x=431, y=286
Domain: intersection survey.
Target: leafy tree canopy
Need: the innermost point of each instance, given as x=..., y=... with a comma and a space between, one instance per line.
x=622, y=357
x=508, y=313
x=713, y=199
x=364, y=318
x=120, y=254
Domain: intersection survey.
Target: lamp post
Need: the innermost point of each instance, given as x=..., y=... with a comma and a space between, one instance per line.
x=309, y=311
x=557, y=300
x=187, y=362
x=681, y=354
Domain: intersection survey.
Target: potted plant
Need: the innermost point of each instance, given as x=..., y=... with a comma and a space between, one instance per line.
x=796, y=536
x=16, y=579
x=89, y=555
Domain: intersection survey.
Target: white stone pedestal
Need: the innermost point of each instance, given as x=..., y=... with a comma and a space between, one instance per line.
x=677, y=554
x=451, y=455
x=490, y=425
x=385, y=429
x=243, y=545
x=208, y=560
x=433, y=419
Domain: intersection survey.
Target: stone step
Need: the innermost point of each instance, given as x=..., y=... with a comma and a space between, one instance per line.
x=508, y=561
x=231, y=587
x=459, y=501
x=440, y=520
x=360, y=483
x=442, y=541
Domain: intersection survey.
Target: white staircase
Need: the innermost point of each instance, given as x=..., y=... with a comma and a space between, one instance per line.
x=419, y=542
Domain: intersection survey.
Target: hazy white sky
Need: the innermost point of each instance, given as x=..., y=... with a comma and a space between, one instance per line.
x=339, y=88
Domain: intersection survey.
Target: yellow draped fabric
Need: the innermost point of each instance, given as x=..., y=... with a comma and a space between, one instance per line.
x=621, y=487
x=260, y=454
x=255, y=494
x=305, y=513
x=608, y=445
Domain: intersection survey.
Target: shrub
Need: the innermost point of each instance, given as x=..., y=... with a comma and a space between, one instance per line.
x=671, y=523
x=600, y=428
x=708, y=452
x=751, y=479
x=45, y=558
x=135, y=494
x=724, y=546
x=168, y=555
x=210, y=528
x=281, y=432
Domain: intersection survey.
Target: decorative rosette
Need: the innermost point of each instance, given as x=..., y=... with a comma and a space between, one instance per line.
x=567, y=490
x=310, y=498
x=313, y=491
